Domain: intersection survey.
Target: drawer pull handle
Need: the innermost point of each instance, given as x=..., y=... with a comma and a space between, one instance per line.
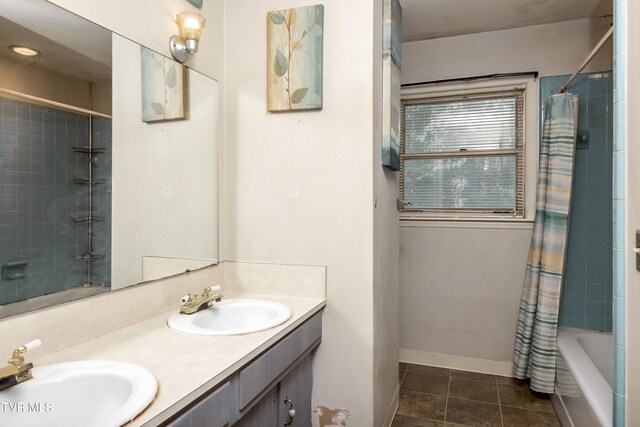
x=292, y=411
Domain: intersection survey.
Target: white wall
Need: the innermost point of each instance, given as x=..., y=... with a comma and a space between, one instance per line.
x=632, y=213
x=43, y=83
x=328, y=156
x=460, y=283
x=152, y=22
x=164, y=175
x=460, y=289
x=550, y=49
x=386, y=254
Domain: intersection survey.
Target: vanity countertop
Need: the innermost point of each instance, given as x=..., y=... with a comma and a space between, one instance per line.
x=185, y=365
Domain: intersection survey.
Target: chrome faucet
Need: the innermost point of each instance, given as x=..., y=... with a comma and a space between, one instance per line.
x=193, y=303
x=17, y=371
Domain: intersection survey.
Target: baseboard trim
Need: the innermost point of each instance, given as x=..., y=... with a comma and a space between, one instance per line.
x=393, y=408
x=463, y=363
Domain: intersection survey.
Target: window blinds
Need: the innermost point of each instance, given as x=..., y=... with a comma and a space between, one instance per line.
x=464, y=153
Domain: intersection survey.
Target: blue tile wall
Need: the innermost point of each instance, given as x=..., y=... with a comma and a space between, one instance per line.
x=587, y=292
x=39, y=199
x=101, y=269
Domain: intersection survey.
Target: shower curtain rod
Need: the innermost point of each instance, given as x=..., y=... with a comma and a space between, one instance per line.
x=54, y=103
x=466, y=79
x=593, y=53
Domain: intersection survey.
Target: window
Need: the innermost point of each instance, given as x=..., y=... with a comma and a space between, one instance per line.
x=463, y=155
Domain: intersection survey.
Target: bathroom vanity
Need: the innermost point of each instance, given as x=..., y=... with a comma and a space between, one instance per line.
x=263, y=391
x=202, y=380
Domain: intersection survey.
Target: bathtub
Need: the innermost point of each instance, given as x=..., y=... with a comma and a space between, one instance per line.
x=583, y=394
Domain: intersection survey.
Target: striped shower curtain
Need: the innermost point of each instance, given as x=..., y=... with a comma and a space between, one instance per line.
x=535, y=352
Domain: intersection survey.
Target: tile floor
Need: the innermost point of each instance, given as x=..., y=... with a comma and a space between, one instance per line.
x=437, y=397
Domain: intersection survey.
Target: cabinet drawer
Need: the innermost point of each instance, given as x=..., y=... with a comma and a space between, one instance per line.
x=257, y=376
x=212, y=411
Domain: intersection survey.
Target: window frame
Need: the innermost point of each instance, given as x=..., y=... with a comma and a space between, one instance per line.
x=530, y=137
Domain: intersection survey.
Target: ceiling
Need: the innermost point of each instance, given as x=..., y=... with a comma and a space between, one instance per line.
x=430, y=19
x=68, y=44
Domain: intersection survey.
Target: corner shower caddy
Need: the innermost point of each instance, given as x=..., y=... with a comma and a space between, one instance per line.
x=90, y=219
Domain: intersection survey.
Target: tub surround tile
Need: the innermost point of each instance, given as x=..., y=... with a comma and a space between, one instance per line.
x=596, y=324
x=618, y=409
x=618, y=370
x=590, y=223
x=597, y=292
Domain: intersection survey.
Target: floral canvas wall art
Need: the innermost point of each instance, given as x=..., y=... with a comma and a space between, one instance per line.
x=391, y=85
x=294, y=58
x=163, y=94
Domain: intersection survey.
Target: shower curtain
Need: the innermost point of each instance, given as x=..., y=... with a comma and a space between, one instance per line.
x=535, y=351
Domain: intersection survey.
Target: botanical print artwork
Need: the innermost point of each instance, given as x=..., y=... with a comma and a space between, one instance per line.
x=391, y=85
x=391, y=116
x=294, y=58
x=163, y=96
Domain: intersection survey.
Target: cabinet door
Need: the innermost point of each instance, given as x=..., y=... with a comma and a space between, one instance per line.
x=212, y=411
x=296, y=386
x=254, y=378
x=264, y=413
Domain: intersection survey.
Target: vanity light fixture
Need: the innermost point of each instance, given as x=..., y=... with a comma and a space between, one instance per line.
x=191, y=24
x=24, y=50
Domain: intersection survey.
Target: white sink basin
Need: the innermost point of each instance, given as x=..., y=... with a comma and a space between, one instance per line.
x=232, y=317
x=83, y=394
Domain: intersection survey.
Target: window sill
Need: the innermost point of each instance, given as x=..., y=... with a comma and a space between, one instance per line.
x=476, y=223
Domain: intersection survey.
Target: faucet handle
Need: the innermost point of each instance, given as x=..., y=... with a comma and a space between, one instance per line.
x=214, y=289
x=32, y=345
x=185, y=299
x=16, y=358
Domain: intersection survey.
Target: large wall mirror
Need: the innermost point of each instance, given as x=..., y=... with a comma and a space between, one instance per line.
x=93, y=198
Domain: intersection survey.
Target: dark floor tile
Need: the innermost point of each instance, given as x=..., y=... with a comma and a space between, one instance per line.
x=475, y=376
x=425, y=383
x=424, y=369
x=516, y=417
x=469, y=412
x=402, y=369
x=473, y=390
x=422, y=405
x=404, y=421
x=512, y=381
x=524, y=397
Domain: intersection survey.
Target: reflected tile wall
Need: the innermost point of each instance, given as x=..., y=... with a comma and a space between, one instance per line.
x=587, y=290
x=38, y=198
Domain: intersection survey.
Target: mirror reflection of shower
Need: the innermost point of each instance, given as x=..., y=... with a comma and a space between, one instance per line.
x=55, y=179
x=55, y=161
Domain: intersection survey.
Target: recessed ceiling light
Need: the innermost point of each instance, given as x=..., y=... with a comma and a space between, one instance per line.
x=24, y=50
